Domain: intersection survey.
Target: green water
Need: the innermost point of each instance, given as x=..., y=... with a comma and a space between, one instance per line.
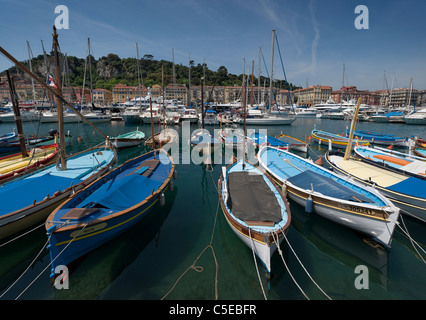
x=147, y=260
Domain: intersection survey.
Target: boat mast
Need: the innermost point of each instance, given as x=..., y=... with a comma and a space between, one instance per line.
x=272, y=71
x=90, y=72
x=62, y=155
x=258, y=78
x=31, y=68
x=245, y=111
x=351, y=135
x=139, y=74
x=48, y=88
x=18, y=120
x=189, y=80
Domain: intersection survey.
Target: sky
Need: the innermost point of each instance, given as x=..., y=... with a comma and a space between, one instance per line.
x=318, y=42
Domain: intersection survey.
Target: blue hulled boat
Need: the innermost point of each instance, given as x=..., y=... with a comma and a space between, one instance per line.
x=261, y=139
x=108, y=206
x=29, y=199
x=335, y=198
x=379, y=138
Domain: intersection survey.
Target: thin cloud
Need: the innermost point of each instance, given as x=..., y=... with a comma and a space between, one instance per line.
x=316, y=38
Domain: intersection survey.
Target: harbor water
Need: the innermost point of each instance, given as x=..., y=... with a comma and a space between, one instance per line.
x=185, y=249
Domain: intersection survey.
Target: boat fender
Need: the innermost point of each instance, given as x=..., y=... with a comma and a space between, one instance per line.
x=162, y=199
x=284, y=190
x=309, y=205
x=175, y=175
x=57, y=193
x=171, y=187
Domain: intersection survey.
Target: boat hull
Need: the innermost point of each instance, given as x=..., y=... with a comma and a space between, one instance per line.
x=261, y=236
x=79, y=235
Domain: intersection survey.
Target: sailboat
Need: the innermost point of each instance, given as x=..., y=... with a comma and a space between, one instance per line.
x=407, y=192
x=254, y=207
x=108, y=206
x=29, y=199
x=400, y=162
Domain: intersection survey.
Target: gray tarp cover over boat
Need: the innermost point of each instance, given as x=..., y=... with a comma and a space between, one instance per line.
x=327, y=186
x=251, y=199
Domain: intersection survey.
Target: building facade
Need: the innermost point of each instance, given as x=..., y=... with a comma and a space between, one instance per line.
x=312, y=95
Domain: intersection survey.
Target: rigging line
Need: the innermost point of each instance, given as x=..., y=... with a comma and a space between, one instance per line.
x=38, y=276
x=255, y=263
x=285, y=77
x=288, y=269
x=288, y=242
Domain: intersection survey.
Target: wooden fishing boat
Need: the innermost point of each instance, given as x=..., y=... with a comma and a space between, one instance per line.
x=261, y=139
x=337, y=141
x=129, y=139
x=9, y=136
x=205, y=145
x=380, y=138
x=333, y=197
x=29, y=199
x=12, y=166
x=295, y=143
x=254, y=208
x=108, y=206
x=232, y=138
x=163, y=137
x=421, y=152
x=420, y=143
x=403, y=163
x=406, y=192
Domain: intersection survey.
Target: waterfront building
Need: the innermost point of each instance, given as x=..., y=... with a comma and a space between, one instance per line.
x=312, y=95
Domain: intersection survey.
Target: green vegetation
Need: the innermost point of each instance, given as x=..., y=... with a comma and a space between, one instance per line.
x=111, y=70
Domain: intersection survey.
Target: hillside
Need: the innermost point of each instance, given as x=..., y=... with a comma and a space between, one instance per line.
x=111, y=70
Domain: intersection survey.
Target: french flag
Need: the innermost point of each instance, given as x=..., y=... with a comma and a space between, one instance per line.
x=51, y=82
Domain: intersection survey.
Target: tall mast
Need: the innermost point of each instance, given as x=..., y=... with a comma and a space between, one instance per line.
x=258, y=79
x=18, y=120
x=62, y=155
x=90, y=72
x=245, y=112
x=139, y=73
x=189, y=79
x=31, y=68
x=272, y=71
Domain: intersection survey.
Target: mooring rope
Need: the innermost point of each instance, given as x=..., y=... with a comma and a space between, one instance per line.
x=255, y=263
x=288, y=269
x=38, y=276
x=22, y=274
x=413, y=242
x=21, y=235
x=310, y=277
x=199, y=268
